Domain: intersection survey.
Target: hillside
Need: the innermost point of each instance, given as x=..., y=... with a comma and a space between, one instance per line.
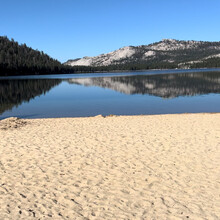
x=18, y=59
x=167, y=53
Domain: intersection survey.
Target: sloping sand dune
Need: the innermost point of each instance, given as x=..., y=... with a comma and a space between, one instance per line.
x=127, y=167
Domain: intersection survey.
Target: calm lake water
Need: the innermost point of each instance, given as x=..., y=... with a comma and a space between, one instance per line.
x=150, y=92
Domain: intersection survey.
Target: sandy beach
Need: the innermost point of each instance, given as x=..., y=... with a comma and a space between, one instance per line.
x=118, y=167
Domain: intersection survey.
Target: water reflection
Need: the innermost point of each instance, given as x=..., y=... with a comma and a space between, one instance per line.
x=15, y=92
x=69, y=99
x=165, y=86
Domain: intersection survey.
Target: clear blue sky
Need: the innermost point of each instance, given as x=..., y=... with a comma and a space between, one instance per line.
x=67, y=29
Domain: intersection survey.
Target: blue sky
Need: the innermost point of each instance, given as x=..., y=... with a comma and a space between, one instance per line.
x=68, y=29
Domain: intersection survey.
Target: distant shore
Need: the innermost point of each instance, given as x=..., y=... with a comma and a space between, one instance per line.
x=113, y=71
x=115, y=167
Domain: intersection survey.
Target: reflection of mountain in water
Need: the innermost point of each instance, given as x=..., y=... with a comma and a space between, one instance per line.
x=14, y=92
x=166, y=86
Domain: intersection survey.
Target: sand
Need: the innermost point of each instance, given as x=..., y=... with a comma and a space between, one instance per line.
x=125, y=167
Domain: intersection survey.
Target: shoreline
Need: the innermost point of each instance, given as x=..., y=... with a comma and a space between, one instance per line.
x=107, y=116
x=114, y=72
x=127, y=167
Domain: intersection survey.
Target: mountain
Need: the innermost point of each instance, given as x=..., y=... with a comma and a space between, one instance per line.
x=18, y=59
x=168, y=53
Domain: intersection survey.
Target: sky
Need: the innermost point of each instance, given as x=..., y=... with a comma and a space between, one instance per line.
x=69, y=29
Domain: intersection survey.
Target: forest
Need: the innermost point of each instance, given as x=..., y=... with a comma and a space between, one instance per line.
x=18, y=59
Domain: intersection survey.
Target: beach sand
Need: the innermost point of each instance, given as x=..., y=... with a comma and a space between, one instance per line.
x=119, y=167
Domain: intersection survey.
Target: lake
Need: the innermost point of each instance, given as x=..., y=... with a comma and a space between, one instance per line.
x=131, y=93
